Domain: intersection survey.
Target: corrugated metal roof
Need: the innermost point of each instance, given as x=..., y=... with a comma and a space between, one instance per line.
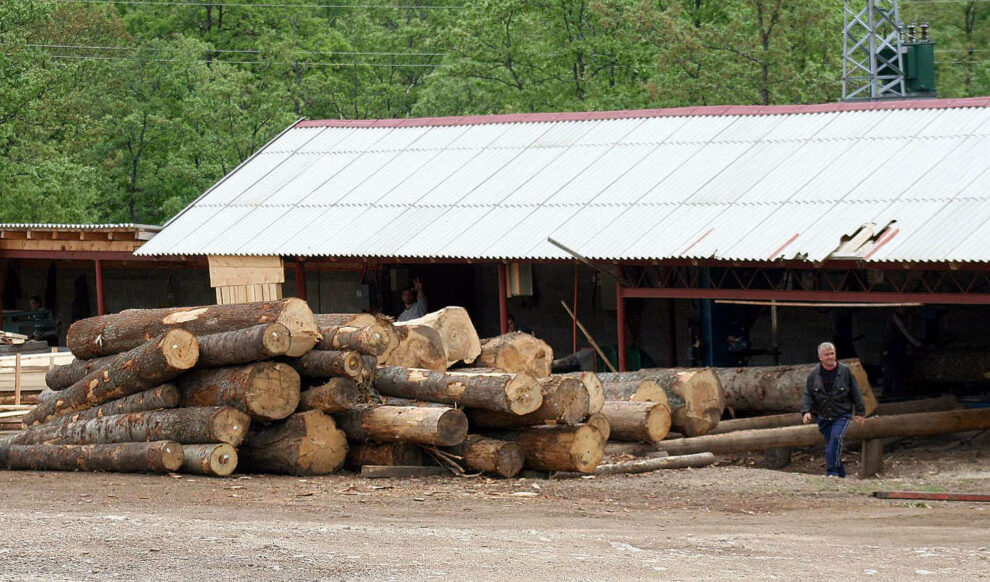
x=56, y=226
x=732, y=183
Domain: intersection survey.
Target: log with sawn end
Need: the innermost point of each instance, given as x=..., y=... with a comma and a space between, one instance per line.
x=499, y=457
x=153, y=457
x=61, y=377
x=328, y=364
x=694, y=396
x=513, y=393
x=370, y=340
x=693, y=461
x=265, y=390
x=516, y=353
x=363, y=320
x=164, y=396
x=392, y=453
x=443, y=427
x=418, y=346
x=143, y=367
x=335, y=395
x=217, y=459
x=457, y=334
x=565, y=401
x=119, y=332
x=306, y=443
x=559, y=448
x=600, y=422
x=646, y=422
x=596, y=390
x=243, y=346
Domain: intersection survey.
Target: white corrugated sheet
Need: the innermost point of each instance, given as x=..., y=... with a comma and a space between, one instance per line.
x=783, y=184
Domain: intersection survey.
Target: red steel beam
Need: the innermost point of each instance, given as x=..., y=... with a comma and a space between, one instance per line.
x=503, y=299
x=785, y=295
x=620, y=314
x=927, y=496
x=101, y=307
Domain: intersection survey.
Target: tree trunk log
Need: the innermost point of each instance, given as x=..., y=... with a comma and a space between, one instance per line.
x=119, y=332
x=457, y=334
x=154, y=457
x=371, y=340
x=363, y=320
x=778, y=388
x=503, y=458
x=218, y=460
x=596, y=390
x=901, y=425
x=369, y=368
x=513, y=393
x=444, y=427
x=565, y=401
x=328, y=364
x=164, y=396
x=243, y=346
x=560, y=448
x=637, y=391
x=600, y=422
x=418, y=347
x=306, y=443
x=646, y=422
x=517, y=353
x=393, y=453
x=143, y=367
x=185, y=425
x=266, y=390
x=61, y=377
x=694, y=396
x=337, y=395
x=646, y=465
x=948, y=367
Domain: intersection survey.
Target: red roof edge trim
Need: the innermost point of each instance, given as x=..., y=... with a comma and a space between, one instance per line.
x=710, y=110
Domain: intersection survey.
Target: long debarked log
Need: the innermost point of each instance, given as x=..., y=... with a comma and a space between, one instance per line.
x=646, y=465
x=596, y=390
x=516, y=353
x=306, y=443
x=947, y=367
x=265, y=390
x=503, y=458
x=513, y=393
x=164, y=396
x=61, y=377
x=778, y=388
x=218, y=460
x=646, y=422
x=186, y=425
x=694, y=396
x=457, y=334
x=417, y=346
x=335, y=395
x=242, y=346
x=154, y=457
x=370, y=339
x=119, y=332
x=900, y=425
x=328, y=364
x=443, y=427
x=393, y=453
x=565, y=401
x=362, y=320
x=947, y=402
x=144, y=367
x=560, y=448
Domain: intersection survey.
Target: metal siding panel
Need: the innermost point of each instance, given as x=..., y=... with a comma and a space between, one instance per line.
x=262, y=191
x=398, y=138
x=893, y=180
x=298, y=190
x=236, y=183
x=749, y=128
x=824, y=226
x=673, y=229
x=388, y=237
x=582, y=227
x=480, y=136
x=464, y=179
x=555, y=175
x=209, y=237
x=512, y=176
x=293, y=139
x=243, y=239
x=317, y=231
x=166, y=241
x=645, y=175
x=798, y=127
x=441, y=137
x=475, y=241
x=695, y=172
x=807, y=161
x=963, y=121
x=936, y=232
x=530, y=233
x=856, y=162
x=610, y=132
x=520, y=135
x=418, y=187
x=564, y=134
x=388, y=177
x=454, y=222
x=850, y=124
x=349, y=177
x=979, y=187
x=600, y=173
x=743, y=173
x=904, y=123
x=732, y=229
x=701, y=129
x=342, y=137
x=951, y=175
x=655, y=130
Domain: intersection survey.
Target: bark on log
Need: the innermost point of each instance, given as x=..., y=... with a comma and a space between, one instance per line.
x=457, y=334
x=637, y=391
x=369, y=368
x=646, y=422
x=503, y=458
x=242, y=346
x=418, y=347
x=220, y=424
x=306, y=443
x=900, y=425
x=694, y=396
x=61, y=377
x=154, y=457
x=947, y=402
x=778, y=388
x=371, y=340
x=565, y=401
x=394, y=453
x=143, y=367
x=265, y=390
x=696, y=460
x=560, y=448
x=363, y=320
x=328, y=364
x=217, y=460
x=513, y=393
x=596, y=390
x=119, y=332
x=443, y=427
x=164, y=396
x=336, y=395
x=517, y=353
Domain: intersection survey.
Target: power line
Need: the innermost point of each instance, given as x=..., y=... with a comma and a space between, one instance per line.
x=231, y=51
x=262, y=5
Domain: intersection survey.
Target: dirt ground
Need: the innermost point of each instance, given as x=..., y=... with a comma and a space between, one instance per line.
x=732, y=521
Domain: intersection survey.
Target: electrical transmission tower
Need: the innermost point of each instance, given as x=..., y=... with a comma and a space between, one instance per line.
x=872, y=60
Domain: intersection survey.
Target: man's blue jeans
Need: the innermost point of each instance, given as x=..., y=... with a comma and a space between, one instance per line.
x=833, y=431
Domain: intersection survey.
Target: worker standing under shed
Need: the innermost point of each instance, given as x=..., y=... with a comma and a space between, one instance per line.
x=415, y=302
x=831, y=394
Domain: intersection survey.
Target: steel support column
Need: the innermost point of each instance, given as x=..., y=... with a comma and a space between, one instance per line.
x=788, y=295
x=503, y=298
x=101, y=307
x=620, y=314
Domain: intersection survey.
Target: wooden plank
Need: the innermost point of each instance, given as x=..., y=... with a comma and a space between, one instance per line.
x=872, y=458
x=390, y=471
x=17, y=379
x=926, y=496
x=242, y=270
x=70, y=245
x=14, y=413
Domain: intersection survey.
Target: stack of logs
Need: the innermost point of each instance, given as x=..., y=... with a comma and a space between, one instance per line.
x=271, y=387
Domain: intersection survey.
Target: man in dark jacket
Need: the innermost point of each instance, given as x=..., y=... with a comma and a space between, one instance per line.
x=832, y=394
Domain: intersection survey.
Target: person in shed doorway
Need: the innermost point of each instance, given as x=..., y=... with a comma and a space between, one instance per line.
x=415, y=302
x=832, y=395
x=512, y=326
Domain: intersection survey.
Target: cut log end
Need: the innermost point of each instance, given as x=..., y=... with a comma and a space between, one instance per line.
x=523, y=394
x=277, y=339
x=273, y=391
x=600, y=423
x=230, y=425
x=218, y=460
x=180, y=348
x=451, y=428
x=303, y=331
x=587, y=449
x=168, y=453
x=509, y=460
x=324, y=450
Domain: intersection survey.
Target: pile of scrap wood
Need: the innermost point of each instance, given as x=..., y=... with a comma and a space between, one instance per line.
x=271, y=387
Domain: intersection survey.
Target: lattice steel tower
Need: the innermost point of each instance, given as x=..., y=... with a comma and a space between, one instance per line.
x=872, y=60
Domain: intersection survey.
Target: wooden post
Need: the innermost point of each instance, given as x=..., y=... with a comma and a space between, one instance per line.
x=101, y=306
x=872, y=458
x=575, y=304
x=503, y=301
x=776, y=458
x=17, y=379
x=300, y=279
x=620, y=314
x=51, y=358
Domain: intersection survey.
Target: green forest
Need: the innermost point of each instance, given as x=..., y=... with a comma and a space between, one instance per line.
x=126, y=111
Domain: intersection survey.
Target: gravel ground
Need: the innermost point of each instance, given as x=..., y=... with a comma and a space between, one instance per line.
x=733, y=521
